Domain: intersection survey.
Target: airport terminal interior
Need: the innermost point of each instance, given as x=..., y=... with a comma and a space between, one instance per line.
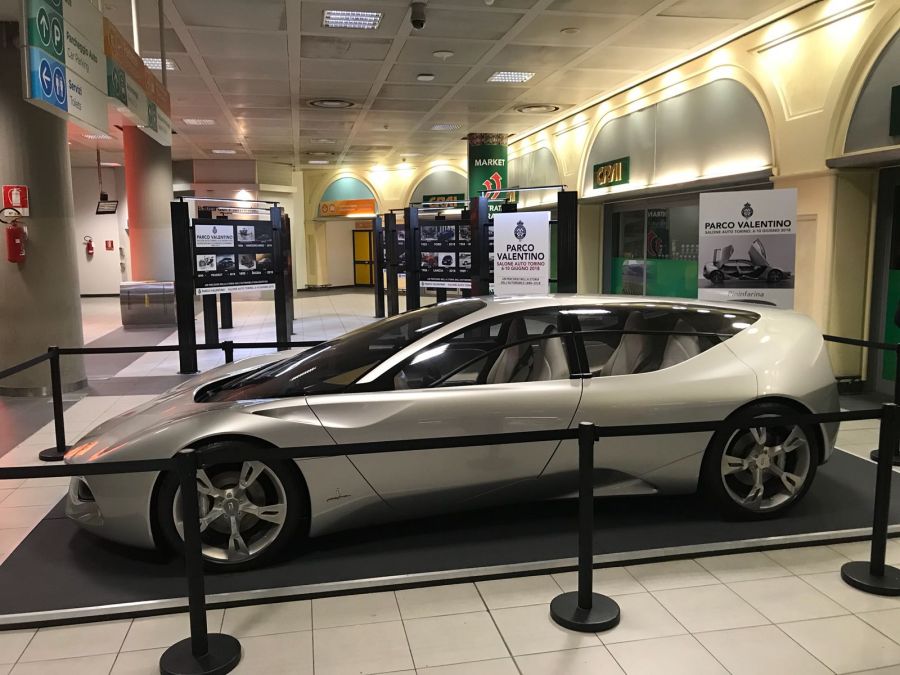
x=450, y=337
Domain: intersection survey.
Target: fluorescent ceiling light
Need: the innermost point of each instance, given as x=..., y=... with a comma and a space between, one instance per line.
x=98, y=137
x=318, y=161
x=110, y=164
x=155, y=63
x=198, y=122
x=445, y=127
x=224, y=152
x=510, y=76
x=339, y=18
x=324, y=141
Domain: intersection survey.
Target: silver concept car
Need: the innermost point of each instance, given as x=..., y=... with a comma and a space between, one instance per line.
x=473, y=366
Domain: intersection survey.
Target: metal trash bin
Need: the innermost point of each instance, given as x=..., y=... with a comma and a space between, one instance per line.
x=147, y=303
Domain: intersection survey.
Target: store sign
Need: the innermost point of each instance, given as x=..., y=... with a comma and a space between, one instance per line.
x=488, y=167
x=522, y=253
x=748, y=245
x=438, y=200
x=615, y=172
x=347, y=207
x=16, y=197
x=232, y=256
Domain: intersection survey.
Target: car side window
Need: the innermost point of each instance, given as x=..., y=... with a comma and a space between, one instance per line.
x=521, y=347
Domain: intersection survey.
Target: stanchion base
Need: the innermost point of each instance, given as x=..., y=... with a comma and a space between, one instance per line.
x=223, y=657
x=603, y=614
x=858, y=575
x=874, y=456
x=52, y=454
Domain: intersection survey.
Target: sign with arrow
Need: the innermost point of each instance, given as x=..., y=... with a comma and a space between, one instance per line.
x=488, y=167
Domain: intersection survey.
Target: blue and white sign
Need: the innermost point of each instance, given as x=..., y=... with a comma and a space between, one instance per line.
x=47, y=80
x=59, y=86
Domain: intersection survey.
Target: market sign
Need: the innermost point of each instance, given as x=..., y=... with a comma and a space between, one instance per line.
x=347, y=207
x=522, y=253
x=488, y=167
x=437, y=200
x=615, y=172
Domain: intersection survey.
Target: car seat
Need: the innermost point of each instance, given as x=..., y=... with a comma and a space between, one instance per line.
x=634, y=351
x=550, y=359
x=680, y=347
x=513, y=358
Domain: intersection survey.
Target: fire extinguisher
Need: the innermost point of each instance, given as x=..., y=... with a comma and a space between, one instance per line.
x=15, y=242
x=88, y=245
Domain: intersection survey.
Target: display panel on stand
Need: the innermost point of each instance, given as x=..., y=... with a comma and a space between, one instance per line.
x=233, y=256
x=445, y=258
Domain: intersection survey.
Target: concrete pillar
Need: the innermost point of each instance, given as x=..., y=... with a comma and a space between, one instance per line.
x=148, y=186
x=39, y=298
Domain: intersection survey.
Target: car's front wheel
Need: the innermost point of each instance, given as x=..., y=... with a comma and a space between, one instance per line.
x=775, y=276
x=760, y=472
x=717, y=277
x=249, y=511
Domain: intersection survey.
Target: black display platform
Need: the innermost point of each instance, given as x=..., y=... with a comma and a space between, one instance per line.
x=60, y=573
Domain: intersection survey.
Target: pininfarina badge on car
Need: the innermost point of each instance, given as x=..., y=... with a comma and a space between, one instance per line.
x=473, y=366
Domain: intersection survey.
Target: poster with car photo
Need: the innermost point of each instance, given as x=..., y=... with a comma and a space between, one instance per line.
x=206, y=263
x=747, y=246
x=247, y=261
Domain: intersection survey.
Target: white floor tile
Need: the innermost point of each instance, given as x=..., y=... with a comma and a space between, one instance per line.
x=808, y=559
x=763, y=650
x=13, y=643
x=529, y=630
x=845, y=643
x=4, y=493
x=138, y=663
x=268, y=619
x=10, y=538
x=642, y=617
x=18, y=517
x=584, y=661
x=349, y=610
x=283, y=654
x=787, y=599
x=416, y=603
x=607, y=581
x=35, y=496
x=706, y=608
x=887, y=621
x=442, y=640
x=671, y=574
x=71, y=641
x=85, y=665
x=861, y=550
x=743, y=567
x=680, y=655
x=361, y=649
x=519, y=591
x=831, y=584
x=155, y=632
x=492, y=667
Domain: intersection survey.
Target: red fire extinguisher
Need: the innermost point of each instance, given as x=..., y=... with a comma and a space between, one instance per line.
x=15, y=242
x=88, y=245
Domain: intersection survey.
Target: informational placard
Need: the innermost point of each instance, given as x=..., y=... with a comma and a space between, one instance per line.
x=748, y=246
x=232, y=256
x=522, y=253
x=347, y=207
x=16, y=197
x=488, y=167
x=445, y=250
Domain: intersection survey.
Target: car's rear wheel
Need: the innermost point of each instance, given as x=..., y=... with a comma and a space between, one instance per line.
x=775, y=276
x=760, y=472
x=249, y=511
x=717, y=277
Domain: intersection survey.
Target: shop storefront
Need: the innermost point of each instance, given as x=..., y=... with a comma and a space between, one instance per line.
x=343, y=251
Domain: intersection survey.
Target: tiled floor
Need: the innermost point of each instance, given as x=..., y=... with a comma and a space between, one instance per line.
x=784, y=611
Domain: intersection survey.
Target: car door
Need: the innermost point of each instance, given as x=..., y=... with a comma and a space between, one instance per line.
x=670, y=367
x=508, y=374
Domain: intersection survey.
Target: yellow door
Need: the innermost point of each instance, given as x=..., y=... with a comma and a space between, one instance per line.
x=363, y=267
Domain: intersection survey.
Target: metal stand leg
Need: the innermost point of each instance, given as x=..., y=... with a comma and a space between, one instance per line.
x=58, y=451
x=200, y=654
x=874, y=576
x=583, y=610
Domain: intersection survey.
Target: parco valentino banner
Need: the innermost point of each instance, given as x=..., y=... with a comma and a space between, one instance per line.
x=488, y=167
x=522, y=253
x=748, y=246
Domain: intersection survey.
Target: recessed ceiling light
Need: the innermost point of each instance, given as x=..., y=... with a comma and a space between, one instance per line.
x=572, y=30
x=339, y=18
x=323, y=141
x=445, y=127
x=198, y=122
x=98, y=137
x=318, y=161
x=443, y=54
x=537, y=108
x=111, y=164
x=425, y=77
x=508, y=76
x=331, y=103
x=224, y=151
x=155, y=63
x=320, y=153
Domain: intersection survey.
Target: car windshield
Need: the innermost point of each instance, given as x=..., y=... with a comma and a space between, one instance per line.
x=334, y=365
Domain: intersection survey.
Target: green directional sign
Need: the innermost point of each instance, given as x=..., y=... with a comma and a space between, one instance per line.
x=45, y=29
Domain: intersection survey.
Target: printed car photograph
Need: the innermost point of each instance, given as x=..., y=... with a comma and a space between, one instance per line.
x=755, y=267
x=465, y=367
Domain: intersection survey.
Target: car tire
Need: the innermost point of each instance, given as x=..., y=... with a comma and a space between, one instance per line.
x=717, y=277
x=775, y=276
x=749, y=474
x=275, y=484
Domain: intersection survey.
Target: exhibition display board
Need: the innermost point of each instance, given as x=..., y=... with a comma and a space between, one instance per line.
x=445, y=254
x=233, y=256
x=521, y=260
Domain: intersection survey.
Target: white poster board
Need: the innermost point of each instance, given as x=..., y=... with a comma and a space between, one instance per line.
x=522, y=253
x=748, y=246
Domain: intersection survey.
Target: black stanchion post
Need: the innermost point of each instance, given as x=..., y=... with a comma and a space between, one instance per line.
x=228, y=348
x=584, y=610
x=200, y=654
x=227, y=319
x=896, y=455
x=874, y=576
x=58, y=451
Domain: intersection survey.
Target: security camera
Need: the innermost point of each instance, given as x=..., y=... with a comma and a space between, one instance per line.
x=417, y=16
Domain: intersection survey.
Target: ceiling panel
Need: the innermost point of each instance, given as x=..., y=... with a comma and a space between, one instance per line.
x=593, y=78
x=236, y=44
x=531, y=57
x=401, y=104
x=322, y=47
x=267, y=69
x=447, y=23
x=490, y=92
x=327, y=69
x=255, y=15
x=421, y=50
x=628, y=7
x=589, y=30
x=179, y=84
x=310, y=88
x=283, y=114
x=247, y=86
x=443, y=73
x=311, y=14
x=744, y=9
x=635, y=59
x=480, y=4
x=473, y=106
x=673, y=32
x=419, y=90
x=244, y=101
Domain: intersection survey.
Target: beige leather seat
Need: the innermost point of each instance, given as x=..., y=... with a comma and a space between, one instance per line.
x=680, y=347
x=550, y=359
x=634, y=350
x=509, y=365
